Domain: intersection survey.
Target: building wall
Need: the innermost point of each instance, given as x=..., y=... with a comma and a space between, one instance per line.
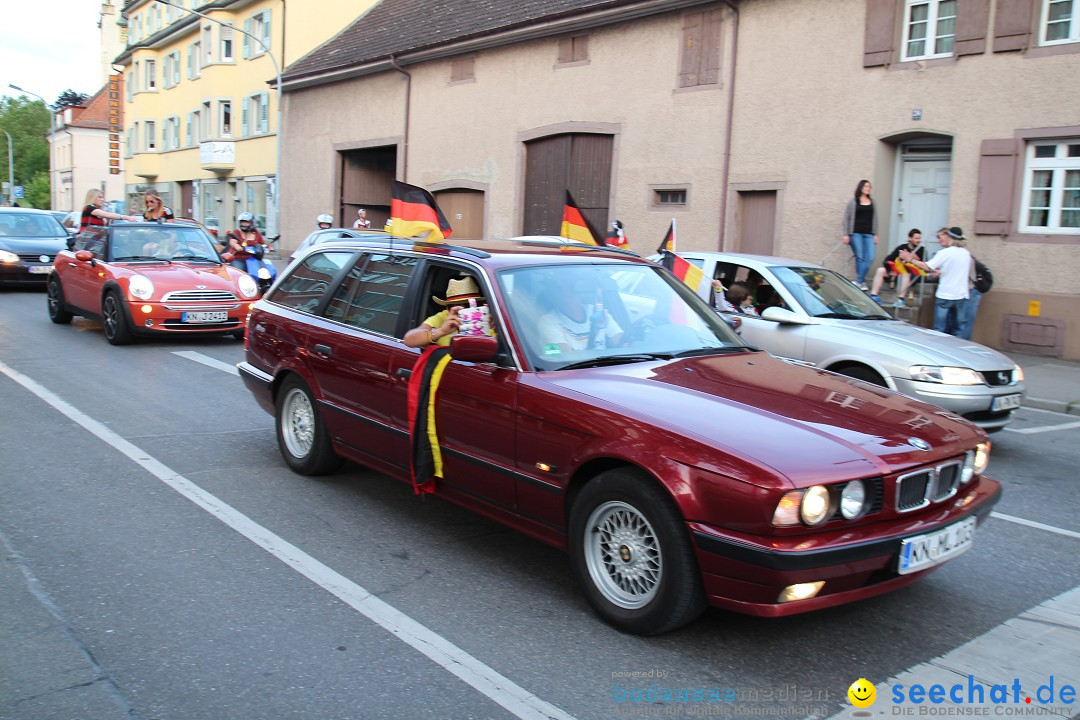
x=820, y=124
x=472, y=133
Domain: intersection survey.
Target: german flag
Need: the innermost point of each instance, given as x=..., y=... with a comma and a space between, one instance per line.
x=423, y=431
x=413, y=210
x=689, y=273
x=899, y=267
x=576, y=226
x=668, y=243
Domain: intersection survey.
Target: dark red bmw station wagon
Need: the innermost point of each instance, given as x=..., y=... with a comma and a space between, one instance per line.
x=606, y=410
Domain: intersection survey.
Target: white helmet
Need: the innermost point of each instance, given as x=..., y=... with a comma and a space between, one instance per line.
x=245, y=217
x=324, y=218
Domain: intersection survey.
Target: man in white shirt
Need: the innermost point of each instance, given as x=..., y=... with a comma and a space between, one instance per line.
x=953, y=266
x=574, y=326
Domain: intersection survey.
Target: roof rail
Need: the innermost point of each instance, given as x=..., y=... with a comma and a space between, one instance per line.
x=413, y=242
x=584, y=247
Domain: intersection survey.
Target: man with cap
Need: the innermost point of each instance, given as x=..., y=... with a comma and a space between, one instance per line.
x=361, y=222
x=440, y=327
x=954, y=267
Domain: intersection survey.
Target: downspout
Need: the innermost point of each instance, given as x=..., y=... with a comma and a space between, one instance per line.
x=728, y=130
x=408, y=98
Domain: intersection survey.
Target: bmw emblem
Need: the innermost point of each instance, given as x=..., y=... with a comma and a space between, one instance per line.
x=44, y=258
x=918, y=444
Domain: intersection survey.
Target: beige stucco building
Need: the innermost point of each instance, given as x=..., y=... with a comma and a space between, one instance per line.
x=750, y=123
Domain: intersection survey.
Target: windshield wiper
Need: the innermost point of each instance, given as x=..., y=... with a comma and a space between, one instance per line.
x=842, y=316
x=617, y=360
x=129, y=258
x=716, y=351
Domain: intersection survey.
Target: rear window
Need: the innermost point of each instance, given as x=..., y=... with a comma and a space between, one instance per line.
x=304, y=287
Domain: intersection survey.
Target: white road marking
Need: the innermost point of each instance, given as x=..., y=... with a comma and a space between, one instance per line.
x=1045, y=428
x=1030, y=648
x=498, y=688
x=207, y=360
x=1039, y=525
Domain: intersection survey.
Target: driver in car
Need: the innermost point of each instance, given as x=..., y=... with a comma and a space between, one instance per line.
x=573, y=325
x=161, y=244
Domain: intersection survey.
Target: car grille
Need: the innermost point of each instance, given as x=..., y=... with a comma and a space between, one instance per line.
x=997, y=378
x=919, y=489
x=36, y=258
x=199, y=296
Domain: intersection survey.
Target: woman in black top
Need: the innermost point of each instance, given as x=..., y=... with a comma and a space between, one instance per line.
x=860, y=230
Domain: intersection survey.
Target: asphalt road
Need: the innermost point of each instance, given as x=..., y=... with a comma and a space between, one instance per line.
x=160, y=561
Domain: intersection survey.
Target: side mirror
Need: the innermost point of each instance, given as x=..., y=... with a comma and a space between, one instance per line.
x=84, y=256
x=784, y=316
x=71, y=239
x=474, y=348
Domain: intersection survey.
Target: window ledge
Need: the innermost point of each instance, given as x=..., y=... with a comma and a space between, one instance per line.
x=1050, y=50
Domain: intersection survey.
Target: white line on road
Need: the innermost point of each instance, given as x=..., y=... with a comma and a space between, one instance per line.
x=1045, y=428
x=453, y=659
x=1039, y=525
x=207, y=360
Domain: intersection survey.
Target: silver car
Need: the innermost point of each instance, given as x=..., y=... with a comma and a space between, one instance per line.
x=326, y=234
x=813, y=316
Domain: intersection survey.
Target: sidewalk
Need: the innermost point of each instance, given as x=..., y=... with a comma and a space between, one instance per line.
x=1052, y=383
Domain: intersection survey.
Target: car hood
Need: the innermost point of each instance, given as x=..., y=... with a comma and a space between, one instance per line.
x=809, y=425
x=183, y=276
x=907, y=342
x=34, y=246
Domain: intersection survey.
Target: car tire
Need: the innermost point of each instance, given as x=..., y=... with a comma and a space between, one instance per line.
x=632, y=556
x=114, y=320
x=238, y=335
x=302, y=437
x=58, y=312
x=861, y=372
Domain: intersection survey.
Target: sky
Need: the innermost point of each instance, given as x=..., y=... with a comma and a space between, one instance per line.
x=48, y=46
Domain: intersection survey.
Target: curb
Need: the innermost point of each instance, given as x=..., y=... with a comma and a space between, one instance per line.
x=1062, y=406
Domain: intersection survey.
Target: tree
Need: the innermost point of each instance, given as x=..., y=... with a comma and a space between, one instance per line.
x=69, y=98
x=37, y=192
x=28, y=124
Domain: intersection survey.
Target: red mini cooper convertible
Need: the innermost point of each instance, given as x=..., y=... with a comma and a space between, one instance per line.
x=149, y=279
x=677, y=465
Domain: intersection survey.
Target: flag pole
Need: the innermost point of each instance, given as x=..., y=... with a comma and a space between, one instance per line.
x=674, y=243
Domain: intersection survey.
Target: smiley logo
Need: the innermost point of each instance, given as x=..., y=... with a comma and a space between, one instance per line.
x=861, y=693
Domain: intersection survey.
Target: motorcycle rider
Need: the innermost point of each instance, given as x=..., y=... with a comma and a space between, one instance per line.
x=246, y=241
x=324, y=221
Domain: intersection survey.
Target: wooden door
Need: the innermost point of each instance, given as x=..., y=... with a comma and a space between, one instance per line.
x=757, y=222
x=578, y=163
x=465, y=211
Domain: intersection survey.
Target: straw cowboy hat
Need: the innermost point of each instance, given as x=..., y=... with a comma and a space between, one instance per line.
x=459, y=291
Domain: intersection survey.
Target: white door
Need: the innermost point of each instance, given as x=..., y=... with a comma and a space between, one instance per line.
x=924, y=201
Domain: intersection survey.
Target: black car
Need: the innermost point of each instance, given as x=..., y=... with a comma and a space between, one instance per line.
x=29, y=241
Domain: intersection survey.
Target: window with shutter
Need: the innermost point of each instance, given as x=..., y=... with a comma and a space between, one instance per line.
x=879, y=40
x=1051, y=194
x=699, y=59
x=462, y=69
x=573, y=49
x=972, y=20
x=225, y=35
x=1012, y=25
x=994, y=199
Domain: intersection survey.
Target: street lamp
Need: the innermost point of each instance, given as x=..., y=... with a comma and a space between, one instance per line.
x=10, y=170
x=277, y=72
x=52, y=131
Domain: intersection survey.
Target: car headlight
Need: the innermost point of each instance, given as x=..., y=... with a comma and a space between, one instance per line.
x=248, y=286
x=8, y=257
x=141, y=287
x=975, y=462
x=264, y=274
x=811, y=507
x=1018, y=373
x=853, y=500
x=945, y=375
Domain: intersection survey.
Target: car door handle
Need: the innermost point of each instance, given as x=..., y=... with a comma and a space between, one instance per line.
x=404, y=373
x=323, y=349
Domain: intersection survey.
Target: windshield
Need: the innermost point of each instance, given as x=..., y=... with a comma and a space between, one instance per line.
x=581, y=315
x=30, y=225
x=824, y=293
x=170, y=241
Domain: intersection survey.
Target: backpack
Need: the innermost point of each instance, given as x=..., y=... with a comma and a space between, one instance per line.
x=984, y=279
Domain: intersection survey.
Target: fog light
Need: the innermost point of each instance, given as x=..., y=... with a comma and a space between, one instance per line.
x=800, y=591
x=148, y=322
x=146, y=309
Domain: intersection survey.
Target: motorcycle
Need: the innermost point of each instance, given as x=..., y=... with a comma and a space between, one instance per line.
x=254, y=264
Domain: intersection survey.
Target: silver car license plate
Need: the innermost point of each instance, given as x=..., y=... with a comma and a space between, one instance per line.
x=923, y=551
x=1005, y=402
